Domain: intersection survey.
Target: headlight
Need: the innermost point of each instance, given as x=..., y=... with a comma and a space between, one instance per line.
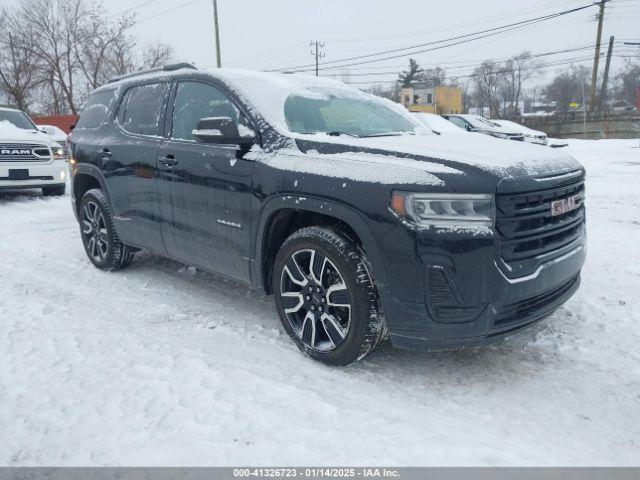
x=445, y=208
x=59, y=153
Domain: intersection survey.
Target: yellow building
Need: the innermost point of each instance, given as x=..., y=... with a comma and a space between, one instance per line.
x=441, y=100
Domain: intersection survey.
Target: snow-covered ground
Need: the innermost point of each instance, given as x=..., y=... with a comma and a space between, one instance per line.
x=163, y=365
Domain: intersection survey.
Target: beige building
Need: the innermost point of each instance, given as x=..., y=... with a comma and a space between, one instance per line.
x=440, y=100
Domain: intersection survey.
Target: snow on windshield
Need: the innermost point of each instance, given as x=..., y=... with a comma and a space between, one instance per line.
x=268, y=93
x=17, y=119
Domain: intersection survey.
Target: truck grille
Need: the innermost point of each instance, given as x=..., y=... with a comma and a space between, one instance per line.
x=537, y=223
x=24, y=152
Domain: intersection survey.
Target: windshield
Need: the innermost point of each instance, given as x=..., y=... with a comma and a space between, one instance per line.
x=339, y=114
x=18, y=119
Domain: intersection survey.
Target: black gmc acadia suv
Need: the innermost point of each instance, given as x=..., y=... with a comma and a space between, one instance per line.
x=362, y=224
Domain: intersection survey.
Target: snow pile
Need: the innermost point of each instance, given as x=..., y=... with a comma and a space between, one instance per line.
x=162, y=365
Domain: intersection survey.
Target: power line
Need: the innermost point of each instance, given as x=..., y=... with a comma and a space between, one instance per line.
x=446, y=28
x=472, y=75
x=135, y=7
x=177, y=7
x=478, y=35
x=467, y=64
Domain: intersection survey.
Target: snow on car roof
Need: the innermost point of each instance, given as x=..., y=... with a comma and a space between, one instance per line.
x=267, y=91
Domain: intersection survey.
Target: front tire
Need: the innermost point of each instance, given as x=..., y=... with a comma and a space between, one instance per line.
x=326, y=297
x=54, y=191
x=101, y=243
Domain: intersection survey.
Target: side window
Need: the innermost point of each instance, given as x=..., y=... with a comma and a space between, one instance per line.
x=458, y=121
x=95, y=110
x=142, y=109
x=196, y=100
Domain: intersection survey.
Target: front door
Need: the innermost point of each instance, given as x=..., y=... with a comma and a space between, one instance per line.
x=129, y=156
x=204, y=189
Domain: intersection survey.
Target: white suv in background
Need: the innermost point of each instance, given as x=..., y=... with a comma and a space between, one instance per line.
x=530, y=135
x=29, y=158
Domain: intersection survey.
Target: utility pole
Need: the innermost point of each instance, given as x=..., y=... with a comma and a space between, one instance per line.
x=605, y=78
x=215, y=22
x=596, y=58
x=584, y=110
x=316, y=51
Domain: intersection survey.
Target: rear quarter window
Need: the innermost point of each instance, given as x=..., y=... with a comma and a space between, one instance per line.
x=96, y=109
x=141, y=110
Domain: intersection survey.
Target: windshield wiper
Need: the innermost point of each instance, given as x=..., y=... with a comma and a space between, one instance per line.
x=337, y=133
x=385, y=134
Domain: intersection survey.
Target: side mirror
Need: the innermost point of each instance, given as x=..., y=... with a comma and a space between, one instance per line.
x=467, y=128
x=221, y=130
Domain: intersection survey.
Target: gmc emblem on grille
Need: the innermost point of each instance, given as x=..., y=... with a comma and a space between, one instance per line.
x=16, y=151
x=565, y=205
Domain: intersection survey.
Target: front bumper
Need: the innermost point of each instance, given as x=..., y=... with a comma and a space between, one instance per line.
x=49, y=174
x=467, y=297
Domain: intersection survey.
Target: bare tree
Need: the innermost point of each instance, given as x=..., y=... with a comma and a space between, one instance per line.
x=18, y=71
x=566, y=87
x=390, y=92
x=628, y=82
x=98, y=40
x=53, y=28
x=516, y=71
x=487, y=79
x=157, y=55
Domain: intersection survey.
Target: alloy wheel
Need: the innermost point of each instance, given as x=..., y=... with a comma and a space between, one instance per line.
x=315, y=299
x=94, y=231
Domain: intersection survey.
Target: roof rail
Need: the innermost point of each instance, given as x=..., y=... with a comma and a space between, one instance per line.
x=166, y=68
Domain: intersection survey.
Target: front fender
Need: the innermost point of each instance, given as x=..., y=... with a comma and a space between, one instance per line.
x=340, y=211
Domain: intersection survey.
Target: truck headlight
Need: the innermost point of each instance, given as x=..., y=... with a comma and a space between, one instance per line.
x=59, y=153
x=445, y=208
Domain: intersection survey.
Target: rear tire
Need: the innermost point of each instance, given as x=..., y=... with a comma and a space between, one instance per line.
x=326, y=297
x=101, y=243
x=54, y=191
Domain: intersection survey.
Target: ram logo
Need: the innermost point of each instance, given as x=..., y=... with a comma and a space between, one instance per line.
x=16, y=151
x=565, y=205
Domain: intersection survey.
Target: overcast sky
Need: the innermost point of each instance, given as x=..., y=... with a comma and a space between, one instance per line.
x=262, y=34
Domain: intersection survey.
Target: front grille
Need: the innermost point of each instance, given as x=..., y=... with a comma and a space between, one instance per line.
x=527, y=226
x=17, y=152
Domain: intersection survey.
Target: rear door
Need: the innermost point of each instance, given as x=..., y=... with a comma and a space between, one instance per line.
x=129, y=154
x=204, y=189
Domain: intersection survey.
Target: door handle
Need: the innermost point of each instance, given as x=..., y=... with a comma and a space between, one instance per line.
x=169, y=160
x=104, y=153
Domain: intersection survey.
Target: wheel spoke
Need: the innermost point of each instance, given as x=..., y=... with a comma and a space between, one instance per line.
x=88, y=213
x=102, y=248
x=102, y=235
x=87, y=227
x=317, y=264
x=292, y=301
x=334, y=331
x=338, y=296
x=294, y=272
x=308, y=333
x=92, y=246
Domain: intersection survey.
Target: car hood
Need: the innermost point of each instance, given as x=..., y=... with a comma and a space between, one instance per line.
x=453, y=158
x=9, y=134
